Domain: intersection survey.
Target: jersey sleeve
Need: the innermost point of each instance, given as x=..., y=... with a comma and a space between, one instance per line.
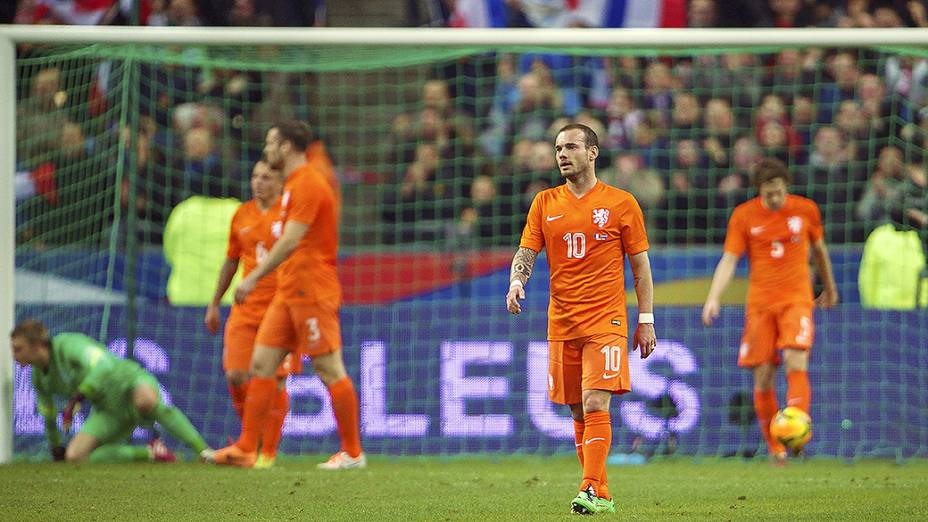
x=532, y=236
x=816, y=229
x=735, y=239
x=634, y=234
x=234, y=250
x=305, y=202
x=91, y=364
x=45, y=404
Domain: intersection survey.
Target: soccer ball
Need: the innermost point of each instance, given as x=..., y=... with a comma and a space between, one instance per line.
x=792, y=427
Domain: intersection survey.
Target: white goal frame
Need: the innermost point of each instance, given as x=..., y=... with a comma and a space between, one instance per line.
x=348, y=37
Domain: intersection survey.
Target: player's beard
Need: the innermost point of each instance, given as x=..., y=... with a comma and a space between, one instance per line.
x=277, y=163
x=576, y=173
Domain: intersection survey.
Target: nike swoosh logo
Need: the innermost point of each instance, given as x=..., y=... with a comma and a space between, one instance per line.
x=552, y=218
x=756, y=230
x=608, y=376
x=594, y=439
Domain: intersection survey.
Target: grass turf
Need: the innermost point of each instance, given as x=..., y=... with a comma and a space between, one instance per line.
x=482, y=488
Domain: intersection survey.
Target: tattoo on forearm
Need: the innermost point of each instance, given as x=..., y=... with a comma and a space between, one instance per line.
x=522, y=264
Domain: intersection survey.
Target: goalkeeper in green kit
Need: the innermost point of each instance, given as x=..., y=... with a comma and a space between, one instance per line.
x=123, y=396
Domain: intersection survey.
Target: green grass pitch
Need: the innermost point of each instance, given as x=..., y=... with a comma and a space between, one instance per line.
x=478, y=489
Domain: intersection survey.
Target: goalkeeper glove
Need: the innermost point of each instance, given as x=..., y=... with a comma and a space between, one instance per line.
x=74, y=406
x=58, y=453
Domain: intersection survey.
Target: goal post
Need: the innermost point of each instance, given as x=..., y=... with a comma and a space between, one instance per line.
x=440, y=367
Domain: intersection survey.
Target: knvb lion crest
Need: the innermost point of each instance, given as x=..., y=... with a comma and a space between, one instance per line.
x=600, y=217
x=794, y=223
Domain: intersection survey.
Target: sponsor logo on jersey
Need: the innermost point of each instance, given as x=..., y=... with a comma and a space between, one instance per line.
x=277, y=228
x=600, y=217
x=755, y=231
x=552, y=218
x=616, y=322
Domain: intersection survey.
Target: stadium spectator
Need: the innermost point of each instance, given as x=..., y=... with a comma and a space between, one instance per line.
x=650, y=145
x=906, y=77
x=719, y=127
x=418, y=201
x=623, y=119
x=884, y=189
x=790, y=75
x=646, y=185
x=702, y=14
x=833, y=182
x=844, y=74
x=803, y=119
x=790, y=13
x=685, y=114
x=657, y=96
x=200, y=167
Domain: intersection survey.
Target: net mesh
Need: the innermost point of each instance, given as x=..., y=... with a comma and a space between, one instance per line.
x=439, y=152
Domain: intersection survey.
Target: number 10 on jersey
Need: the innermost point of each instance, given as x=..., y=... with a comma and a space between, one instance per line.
x=613, y=358
x=576, y=244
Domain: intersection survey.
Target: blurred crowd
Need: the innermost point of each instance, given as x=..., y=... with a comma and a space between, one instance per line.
x=682, y=134
x=461, y=162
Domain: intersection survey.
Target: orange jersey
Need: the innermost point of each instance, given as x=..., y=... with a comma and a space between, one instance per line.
x=309, y=274
x=586, y=241
x=777, y=245
x=250, y=239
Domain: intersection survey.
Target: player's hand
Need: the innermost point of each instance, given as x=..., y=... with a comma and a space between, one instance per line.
x=212, y=319
x=70, y=410
x=58, y=453
x=710, y=311
x=245, y=287
x=645, y=338
x=512, y=299
x=827, y=299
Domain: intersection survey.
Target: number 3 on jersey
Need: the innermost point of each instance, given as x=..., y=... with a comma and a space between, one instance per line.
x=576, y=244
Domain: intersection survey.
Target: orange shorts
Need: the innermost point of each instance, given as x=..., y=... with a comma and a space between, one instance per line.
x=766, y=332
x=597, y=362
x=239, y=343
x=305, y=328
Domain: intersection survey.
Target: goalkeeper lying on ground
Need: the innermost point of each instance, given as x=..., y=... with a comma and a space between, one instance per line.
x=123, y=396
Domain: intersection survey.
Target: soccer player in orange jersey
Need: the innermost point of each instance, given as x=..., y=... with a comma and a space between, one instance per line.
x=303, y=316
x=250, y=238
x=775, y=230
x=587, y=228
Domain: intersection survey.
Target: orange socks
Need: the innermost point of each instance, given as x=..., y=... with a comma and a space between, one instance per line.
x=578, y=440
x=261, y=391
x=603, y=490
x=274, y=423
x=345, y=405
x=597, y=439
x=765, y=405
x=798, y=391
x=238, y=395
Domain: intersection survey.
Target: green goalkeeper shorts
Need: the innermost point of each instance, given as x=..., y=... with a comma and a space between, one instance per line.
x=114, y=417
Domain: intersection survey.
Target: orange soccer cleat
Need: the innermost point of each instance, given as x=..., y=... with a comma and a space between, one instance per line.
x=234, y=456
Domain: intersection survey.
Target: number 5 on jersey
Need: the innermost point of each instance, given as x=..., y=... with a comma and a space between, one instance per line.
x=312, y=324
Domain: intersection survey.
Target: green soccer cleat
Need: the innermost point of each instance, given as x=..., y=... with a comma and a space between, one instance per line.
x=584, y=503
x=605, y=505
x=264, y=462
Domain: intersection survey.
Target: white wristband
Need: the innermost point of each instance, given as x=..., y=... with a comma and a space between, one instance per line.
x=515, y=283
x=645, y=318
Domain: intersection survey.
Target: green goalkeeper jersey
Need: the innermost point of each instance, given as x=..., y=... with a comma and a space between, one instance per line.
x=79, y=364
